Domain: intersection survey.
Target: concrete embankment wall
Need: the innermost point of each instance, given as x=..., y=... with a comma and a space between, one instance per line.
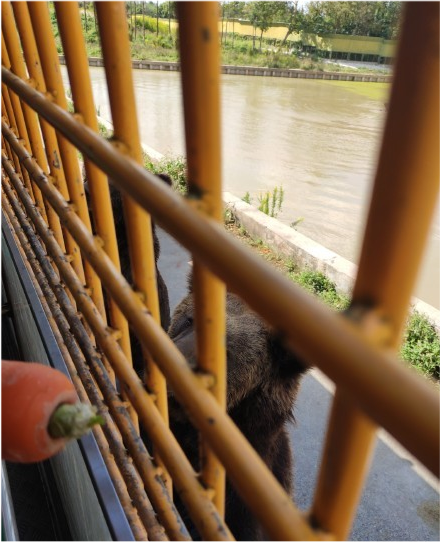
x=255, y=71
x=305, y=252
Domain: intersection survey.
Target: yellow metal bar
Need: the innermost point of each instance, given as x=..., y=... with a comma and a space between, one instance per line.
x=55, y=165
x=54, y=320
x=200, y=60
x=48, y=55
x=9, y=110
x=69, y=25
x=22, y=114
x=402, y=207
x=246, y=470
x=33, y=129
x=4, y=111
x=194, y=496
x=117, y=61
x=379, y=382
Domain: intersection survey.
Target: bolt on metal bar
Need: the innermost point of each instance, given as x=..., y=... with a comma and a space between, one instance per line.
x=200, y=68
x=52, y=153
x=343, y=352
x=48, y=55
x=401, y=210
x=69, y=25
x=79, y=374
x=246, y=470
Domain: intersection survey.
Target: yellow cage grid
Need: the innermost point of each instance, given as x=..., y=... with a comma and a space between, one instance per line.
x=77, y=271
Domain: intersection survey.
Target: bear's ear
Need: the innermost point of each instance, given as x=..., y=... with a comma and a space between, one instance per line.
x=189, y=280
x=166, y=178
x=284, y=360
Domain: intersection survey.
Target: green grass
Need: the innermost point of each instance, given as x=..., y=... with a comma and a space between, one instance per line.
x=269, y=203
x=421, y=342
x=321, y=286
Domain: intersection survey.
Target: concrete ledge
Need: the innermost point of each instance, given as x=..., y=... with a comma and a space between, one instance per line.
x=305, y=252
x=253, y=71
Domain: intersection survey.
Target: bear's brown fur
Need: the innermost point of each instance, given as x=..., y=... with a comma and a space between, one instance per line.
x=262, y=383
x=124, y=257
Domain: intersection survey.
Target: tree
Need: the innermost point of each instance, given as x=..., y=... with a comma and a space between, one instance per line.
x=235, y=10
x=263, y=14
x=376, y=19
x=293, y=17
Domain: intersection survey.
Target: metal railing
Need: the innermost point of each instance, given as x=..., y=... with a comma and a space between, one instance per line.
x=77, y=268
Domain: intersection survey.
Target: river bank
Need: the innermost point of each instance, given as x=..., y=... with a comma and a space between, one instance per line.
x=255, y=71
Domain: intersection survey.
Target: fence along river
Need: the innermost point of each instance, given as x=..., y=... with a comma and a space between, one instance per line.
x=317, y=139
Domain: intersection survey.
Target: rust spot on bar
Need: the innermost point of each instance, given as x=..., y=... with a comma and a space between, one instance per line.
x=206, y=35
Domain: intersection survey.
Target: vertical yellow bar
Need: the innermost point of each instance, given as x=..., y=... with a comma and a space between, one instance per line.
x=12, y=60
x=401, y=210
x=69, y=25
x=52, y=152
x=9, y=112
x=52, y=75
x=12, y=104
x=113, y=30
x=200, y=59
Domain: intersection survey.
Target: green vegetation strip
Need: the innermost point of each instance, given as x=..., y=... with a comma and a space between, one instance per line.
x=156, y=39
x=421, y=342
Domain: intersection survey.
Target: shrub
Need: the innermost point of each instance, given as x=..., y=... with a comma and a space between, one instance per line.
x=270, y=203
x=320, y=285
x=421, y=345
x=150, y=24
x=174, y=167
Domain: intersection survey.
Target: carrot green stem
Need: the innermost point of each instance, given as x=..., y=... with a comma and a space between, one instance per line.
x=73, y=421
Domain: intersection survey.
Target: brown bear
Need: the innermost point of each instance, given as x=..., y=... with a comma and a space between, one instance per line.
x=121, y=236
x=263, y=377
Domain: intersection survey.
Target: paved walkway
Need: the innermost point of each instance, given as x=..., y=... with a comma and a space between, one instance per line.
x=399, y=501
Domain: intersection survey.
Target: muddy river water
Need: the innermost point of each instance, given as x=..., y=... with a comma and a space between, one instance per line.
x=317, y=139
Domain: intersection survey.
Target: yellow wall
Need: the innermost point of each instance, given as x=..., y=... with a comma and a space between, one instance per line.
x=344, y=44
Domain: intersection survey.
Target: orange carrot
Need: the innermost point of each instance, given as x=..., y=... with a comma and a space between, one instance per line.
x=40, y=412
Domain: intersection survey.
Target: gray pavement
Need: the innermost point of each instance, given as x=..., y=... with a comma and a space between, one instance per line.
x=400, y=500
